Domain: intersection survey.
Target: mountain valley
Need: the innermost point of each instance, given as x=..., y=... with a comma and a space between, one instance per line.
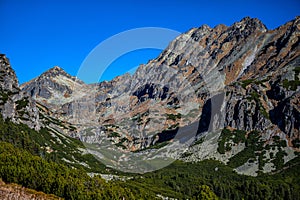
x=217, y=103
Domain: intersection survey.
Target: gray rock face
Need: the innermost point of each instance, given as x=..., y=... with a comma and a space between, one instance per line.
x=8, y=79
x=14, y=103
x=55, y=79
x=286, y=115
x=246, y=112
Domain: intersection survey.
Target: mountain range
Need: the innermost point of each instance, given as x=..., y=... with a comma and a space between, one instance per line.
x=228, y=93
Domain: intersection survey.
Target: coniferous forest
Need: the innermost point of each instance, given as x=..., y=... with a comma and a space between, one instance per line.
x=21, y=162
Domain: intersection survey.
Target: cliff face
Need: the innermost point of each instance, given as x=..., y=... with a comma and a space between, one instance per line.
x=270, y=83
x=15, y=104
x=241, y=77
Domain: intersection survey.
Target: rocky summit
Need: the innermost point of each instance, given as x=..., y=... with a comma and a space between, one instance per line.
x=229, y=92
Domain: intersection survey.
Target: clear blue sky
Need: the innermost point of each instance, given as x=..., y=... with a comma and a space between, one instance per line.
x=39, y=34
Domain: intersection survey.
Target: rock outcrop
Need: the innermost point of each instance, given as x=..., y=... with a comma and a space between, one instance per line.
x=15, y=104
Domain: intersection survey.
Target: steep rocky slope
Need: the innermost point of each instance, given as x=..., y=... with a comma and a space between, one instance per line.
x=207, y=82
x=15, y=104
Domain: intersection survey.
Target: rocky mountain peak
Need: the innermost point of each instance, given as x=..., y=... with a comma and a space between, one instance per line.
x=248, y=22
x=56, y=87
x=8, y=78
x=56, y=71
